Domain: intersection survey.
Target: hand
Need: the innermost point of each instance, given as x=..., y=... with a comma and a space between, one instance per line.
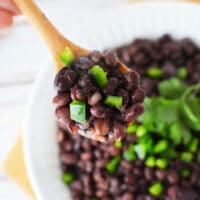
x=7, y=11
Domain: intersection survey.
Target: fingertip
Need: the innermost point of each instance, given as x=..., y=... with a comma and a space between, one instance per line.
x=6, y=19
x=9, y=6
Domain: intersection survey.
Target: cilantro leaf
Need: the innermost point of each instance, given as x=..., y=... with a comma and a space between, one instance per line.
x=172, y=88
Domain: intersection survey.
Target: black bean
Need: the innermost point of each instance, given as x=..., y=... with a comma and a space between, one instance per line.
x=63, y=118
x=124, y=94
x=111, y=86
x=67, y=146
x=188, y=195
x=172, y=191
x=114, y=186
x=60, y=136
x=101, y=193
x=83, y=62
x=139, y=109
x=149, y=173
x=119, y=131
x=111, y=58
x=78, y=94
x=94, y=98
x=113, y=151
x=129, y=179
x=98, y=111
x=77, y=185
x=138, y=95
x=172, y=177
x=140, y=59
x=161, y=174
x=169, y=69
x=61, y=99
x=126, y=165
x=69, y=158
x=132, y=80
x=86, y=156
x=104, y=185
x=101, y=126
x=128, y=116
x=96, y=56
x=85, y=81
x=148, y=197
x=65, y=79
x=127, y=196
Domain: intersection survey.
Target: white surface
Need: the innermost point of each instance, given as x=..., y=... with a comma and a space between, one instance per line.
x=22, y=54
x=40, y=142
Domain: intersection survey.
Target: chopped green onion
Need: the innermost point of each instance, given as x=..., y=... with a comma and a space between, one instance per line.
x=67, y=56
x=113, y=101
x=182, y=73
x=162, y=163
x=93, y=198
x=141, y=131
x=113, y=164
x=161, y=146
x=130, y=156
x=150, y=161
x=193, y=146
x=118, y=144
x=147, y=140
x=68, y=178
x=99, y=75
x=156, y=189
x=186, y=157
x=141, y=150
x=185, y=173
x=154, y=72
x=132, y=128
x=78, y=111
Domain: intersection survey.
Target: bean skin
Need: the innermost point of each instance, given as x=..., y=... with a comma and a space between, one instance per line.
x=95, y=56
x=65, y=79
x=138, y=95
x=101, y=126
x=111, y=58
x=63, y=117
x=94, y=98
x=83, y=62
x=98, y=111
x=61, y=99
x=119, y=131
x=132, y=80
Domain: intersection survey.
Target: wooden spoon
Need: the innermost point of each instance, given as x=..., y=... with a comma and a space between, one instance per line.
x=54, y=40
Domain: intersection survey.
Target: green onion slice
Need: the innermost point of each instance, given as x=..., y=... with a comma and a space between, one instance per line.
x=68, y=177
x=156, y=189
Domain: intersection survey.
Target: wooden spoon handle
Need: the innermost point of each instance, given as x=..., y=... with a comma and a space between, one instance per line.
x=55, y=41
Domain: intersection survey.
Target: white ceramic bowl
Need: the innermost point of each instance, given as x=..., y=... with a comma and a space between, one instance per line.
x=110, y=30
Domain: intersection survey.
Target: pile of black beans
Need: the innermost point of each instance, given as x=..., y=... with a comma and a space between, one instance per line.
x=166, y=53
x=104, y=122
x=86, y=159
